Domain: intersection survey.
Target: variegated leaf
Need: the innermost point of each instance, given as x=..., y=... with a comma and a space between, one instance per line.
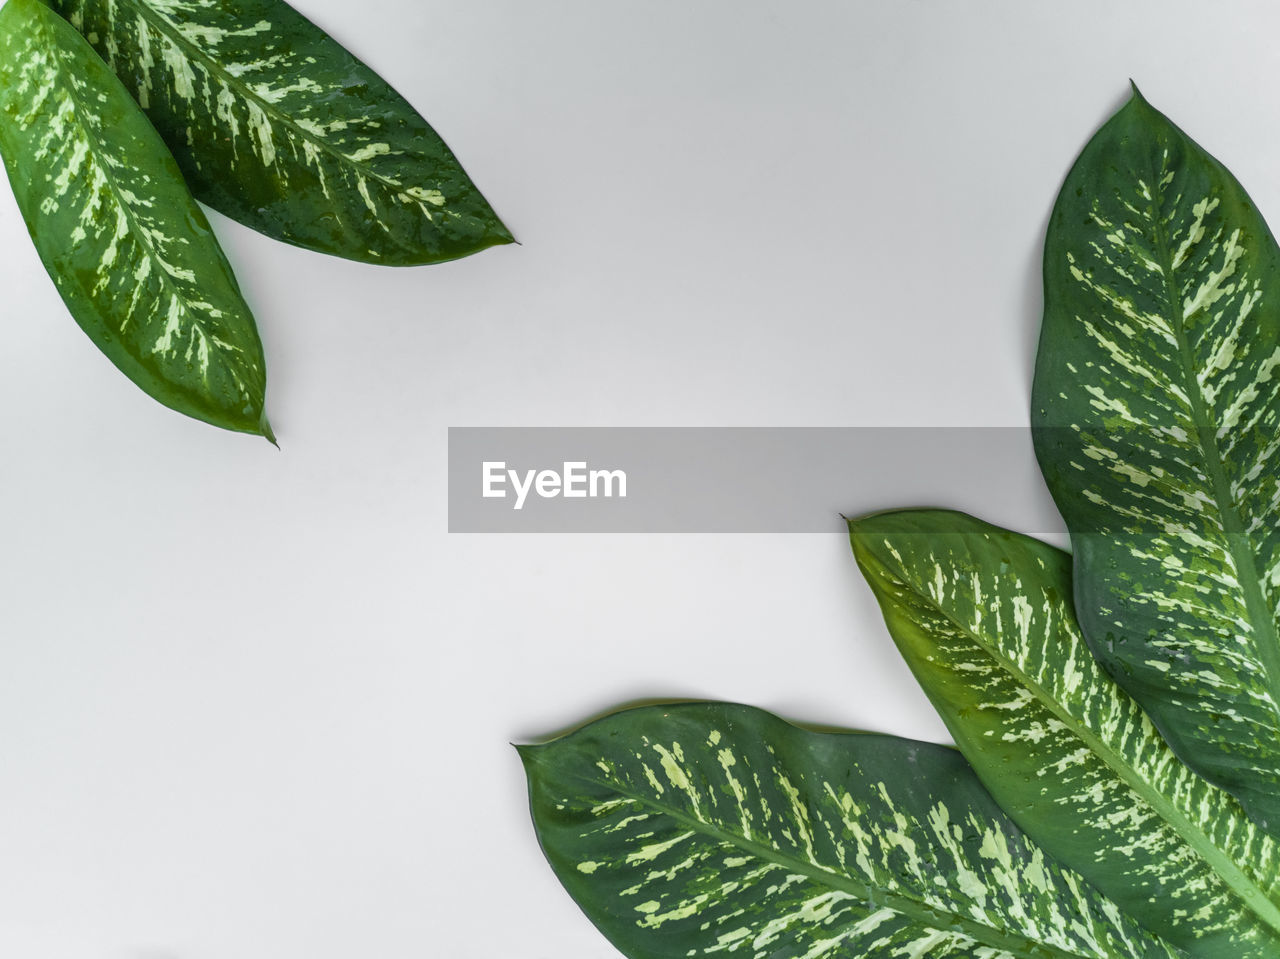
x=984, y=618
x=127, y=246
x=708, y=829
x=1157, y=414
x=278, y=126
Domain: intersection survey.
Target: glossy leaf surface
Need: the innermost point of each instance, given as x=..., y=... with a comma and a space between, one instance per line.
x=278, y=126
x=130, y=251
x=708, y=829
x=1157, y=415
x=983, y=617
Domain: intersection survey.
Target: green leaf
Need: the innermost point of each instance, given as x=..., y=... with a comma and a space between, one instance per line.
x=984, y=619
x=708, y=829
x=278, y=126
x=1157, y=414
x=127, y=246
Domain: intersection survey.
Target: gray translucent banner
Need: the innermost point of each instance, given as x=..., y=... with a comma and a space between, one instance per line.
x=736, y=480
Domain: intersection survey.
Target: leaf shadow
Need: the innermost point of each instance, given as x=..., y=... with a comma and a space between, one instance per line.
x=605, y=711
x=1031, y=301
x=647, y=701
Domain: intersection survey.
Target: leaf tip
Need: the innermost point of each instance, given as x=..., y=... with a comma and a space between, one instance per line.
x=880, y=519
x=860, y=541
x=528, y=753
x=504, y=235
x=267, y=433
x=1136, y=98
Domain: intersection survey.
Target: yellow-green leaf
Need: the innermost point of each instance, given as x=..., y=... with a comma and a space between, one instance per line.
x=983, y=617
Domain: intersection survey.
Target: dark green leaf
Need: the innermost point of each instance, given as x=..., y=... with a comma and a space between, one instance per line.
x=707, y=829
x=278, y=126
x=115, y=226
x=1157, y=415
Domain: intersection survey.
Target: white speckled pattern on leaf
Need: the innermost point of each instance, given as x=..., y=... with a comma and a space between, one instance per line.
x=1157, y=415
x=278, y=126
x=716, y=830
x=129, y=249
x=983, y=617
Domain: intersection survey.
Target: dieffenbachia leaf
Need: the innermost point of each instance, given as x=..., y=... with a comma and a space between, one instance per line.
x=279, y=127
x=984, y=619
x=1156, y=410
x=709, y=829
x=131, y=253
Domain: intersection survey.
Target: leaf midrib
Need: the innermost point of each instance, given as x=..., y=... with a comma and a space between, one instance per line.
x=165, y=27
x=142, y=235
x=1222, y=865
x=1266, y=640
x=904, y=905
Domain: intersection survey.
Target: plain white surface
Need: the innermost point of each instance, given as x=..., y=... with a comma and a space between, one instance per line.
x=256, y=704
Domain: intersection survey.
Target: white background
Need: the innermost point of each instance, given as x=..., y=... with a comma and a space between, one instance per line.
x=257, y=704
